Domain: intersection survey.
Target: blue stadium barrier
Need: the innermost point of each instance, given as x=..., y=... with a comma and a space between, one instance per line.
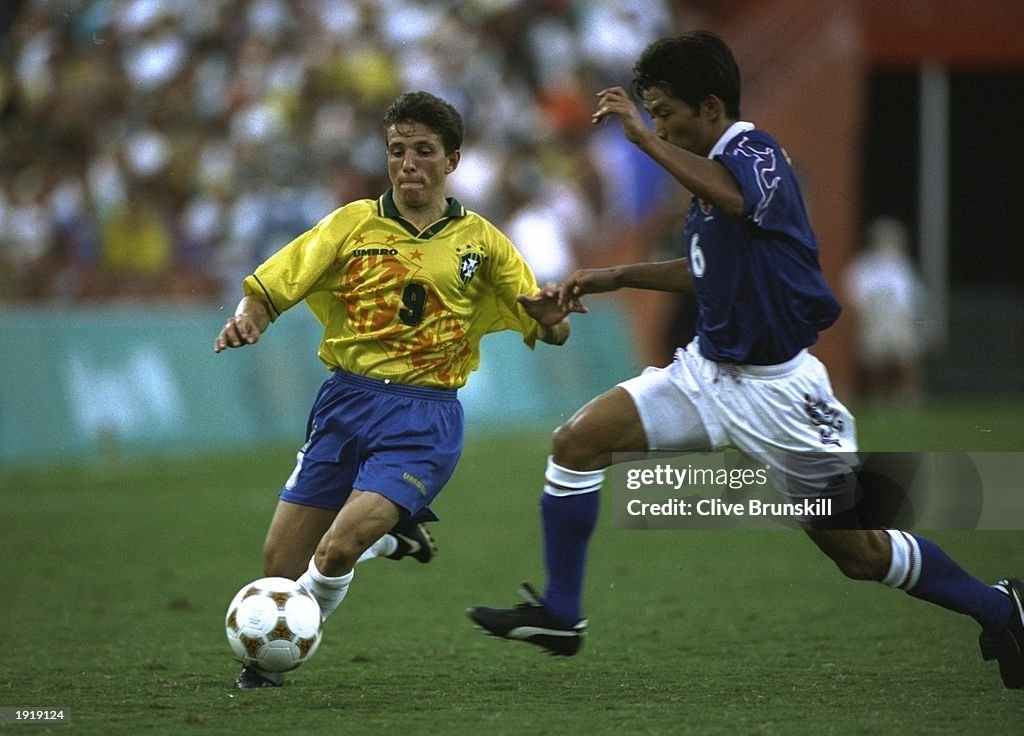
x=85, y=382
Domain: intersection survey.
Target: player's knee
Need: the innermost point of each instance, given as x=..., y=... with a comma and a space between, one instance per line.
x=569, y=446
x=277, y=563
x=561, y=440
x=336, y=556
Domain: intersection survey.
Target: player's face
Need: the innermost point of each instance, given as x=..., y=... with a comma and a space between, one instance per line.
x=417, y=164
x=678, y=123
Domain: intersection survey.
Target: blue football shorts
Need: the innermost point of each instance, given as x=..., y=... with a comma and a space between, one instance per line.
x=394, y=439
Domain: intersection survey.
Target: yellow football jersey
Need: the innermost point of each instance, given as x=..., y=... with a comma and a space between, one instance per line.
x=398, y=303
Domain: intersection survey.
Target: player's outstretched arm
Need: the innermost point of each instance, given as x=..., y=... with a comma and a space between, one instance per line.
x=250, y=320
x=658, y=276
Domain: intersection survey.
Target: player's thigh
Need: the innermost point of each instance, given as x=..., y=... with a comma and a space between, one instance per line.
x=605, y=425
x=670, y=419
x=294, y=533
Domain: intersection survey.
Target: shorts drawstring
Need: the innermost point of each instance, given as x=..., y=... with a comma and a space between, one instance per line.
x=727, y=369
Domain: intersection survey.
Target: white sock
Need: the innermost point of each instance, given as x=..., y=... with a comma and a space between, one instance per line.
x=383, y=547
x=905, y=568
x=561, y=481
x=329, y=592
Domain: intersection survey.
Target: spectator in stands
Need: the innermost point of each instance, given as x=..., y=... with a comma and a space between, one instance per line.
x=232, y=106
x=885, y=294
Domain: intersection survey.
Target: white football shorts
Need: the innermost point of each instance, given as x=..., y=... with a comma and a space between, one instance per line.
x=785, y=415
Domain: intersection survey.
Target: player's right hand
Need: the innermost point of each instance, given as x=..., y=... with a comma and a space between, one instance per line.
x=585, y=281
x=616, y=101
x=240, y=330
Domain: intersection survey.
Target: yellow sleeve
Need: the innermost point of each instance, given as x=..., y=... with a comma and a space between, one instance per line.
x=300, y=267
x=511, y=276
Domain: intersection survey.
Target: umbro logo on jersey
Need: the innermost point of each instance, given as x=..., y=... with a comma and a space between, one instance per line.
x=375, y=252
x=415, y=481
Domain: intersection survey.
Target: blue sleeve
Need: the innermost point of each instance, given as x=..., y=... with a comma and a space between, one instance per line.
x=764, y=176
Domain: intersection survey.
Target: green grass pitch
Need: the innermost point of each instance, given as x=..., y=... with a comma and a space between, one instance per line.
x=116, y=577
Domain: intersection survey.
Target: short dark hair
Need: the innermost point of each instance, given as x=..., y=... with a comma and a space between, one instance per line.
x=691, y=67
x=432, y=111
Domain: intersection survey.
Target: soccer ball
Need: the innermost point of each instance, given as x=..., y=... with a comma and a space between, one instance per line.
x=273, y=624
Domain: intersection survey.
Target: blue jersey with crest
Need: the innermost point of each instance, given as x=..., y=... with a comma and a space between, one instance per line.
x=761, y=295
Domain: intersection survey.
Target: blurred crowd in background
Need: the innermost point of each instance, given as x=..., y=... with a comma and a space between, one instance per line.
x=163, y=148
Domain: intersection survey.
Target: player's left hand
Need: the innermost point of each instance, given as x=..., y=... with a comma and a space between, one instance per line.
x=545, y=308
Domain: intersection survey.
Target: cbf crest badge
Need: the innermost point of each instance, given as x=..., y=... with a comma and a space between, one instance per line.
x=470, y=259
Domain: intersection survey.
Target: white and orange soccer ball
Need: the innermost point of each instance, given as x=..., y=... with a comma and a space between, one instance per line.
x=273, y=624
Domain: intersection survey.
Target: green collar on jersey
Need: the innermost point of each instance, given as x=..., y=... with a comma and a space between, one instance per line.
x=386, y=207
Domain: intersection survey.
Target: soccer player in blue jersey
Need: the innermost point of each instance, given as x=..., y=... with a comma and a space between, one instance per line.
x=747, y=379
x=405, y=285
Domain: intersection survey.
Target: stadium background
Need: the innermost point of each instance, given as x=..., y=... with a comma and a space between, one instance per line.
x=152, y=152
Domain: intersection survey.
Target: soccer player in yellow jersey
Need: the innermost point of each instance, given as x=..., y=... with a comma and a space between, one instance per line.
x=406, y=286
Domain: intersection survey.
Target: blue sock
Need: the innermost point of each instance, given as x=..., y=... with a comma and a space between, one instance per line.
x=942, y=581
x=568, y=522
